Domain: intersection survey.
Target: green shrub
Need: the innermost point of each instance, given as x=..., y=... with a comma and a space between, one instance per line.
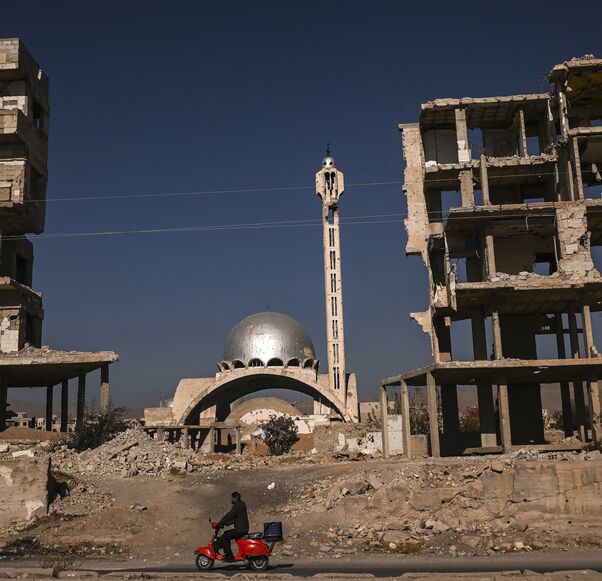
x=279, y=434
x=98, y=427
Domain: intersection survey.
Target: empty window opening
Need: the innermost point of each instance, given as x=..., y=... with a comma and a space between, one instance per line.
x=545, y=264
x=331, y=236
x=256, y=363
x=520, y=253
x=547, y=346
x=595, y=122
x=461, y=340
x=294, y=362
x=336, y=378
x=533, y=145
x=22, y=270
x=592, y=192
x=335, y=352
x=38, y=116
x=478, y=197
x=237, y=364
x=475, y=142
x=275, y=362
x=333, y=283
x=330, y=216
x=450, y=199
x=333, y=259
x=335, y=329
x=308, y=364
x=334, y=306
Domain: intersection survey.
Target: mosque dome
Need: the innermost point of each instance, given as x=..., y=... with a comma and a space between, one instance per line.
x=268, y=339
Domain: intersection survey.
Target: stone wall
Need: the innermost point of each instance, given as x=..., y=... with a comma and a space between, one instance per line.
x=25, y=486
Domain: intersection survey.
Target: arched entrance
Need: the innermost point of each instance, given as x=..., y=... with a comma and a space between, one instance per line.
x=232, y=385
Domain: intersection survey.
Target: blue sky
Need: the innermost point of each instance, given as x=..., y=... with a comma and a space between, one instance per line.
x=155, y=97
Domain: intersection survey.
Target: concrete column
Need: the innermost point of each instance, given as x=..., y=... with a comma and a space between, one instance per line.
x=384, y=420
x=588, y=334
x=522, y=133
x=485, y=181
x=185, y=438
x=451, y=421
x=577, y=385
x=565, y=392
x=433, y=420
x=81, y=399
x=576, y=159
x=593, y=392
x=563, y=112
x=104, y=388
x=504, y=416
x=462, y=136
x=64, y=405
x=484, y=390
x=498, y=352
x=3, y=402
x=238, y=446
x=49, y=394
x=466, y=188
x=406, y=426
x=490, y=255
x=211, y=436
x=443, y=334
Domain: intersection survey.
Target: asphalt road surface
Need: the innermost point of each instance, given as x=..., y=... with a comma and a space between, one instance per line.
x=391, y=566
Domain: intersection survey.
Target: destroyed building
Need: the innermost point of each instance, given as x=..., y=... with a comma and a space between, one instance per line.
x=24, y=362
x=504, y=208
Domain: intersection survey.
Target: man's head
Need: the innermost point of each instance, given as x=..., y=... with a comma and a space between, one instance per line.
x=235, y=497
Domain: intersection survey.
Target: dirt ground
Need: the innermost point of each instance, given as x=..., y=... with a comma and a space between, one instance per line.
x=331, y=509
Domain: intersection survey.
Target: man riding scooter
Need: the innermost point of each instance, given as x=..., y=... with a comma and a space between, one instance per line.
x=238, y=517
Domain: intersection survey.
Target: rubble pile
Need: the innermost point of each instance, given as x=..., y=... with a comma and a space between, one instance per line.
x=133, y=453
x=464, y=506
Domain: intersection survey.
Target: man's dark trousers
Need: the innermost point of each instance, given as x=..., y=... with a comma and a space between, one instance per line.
x=225, y=539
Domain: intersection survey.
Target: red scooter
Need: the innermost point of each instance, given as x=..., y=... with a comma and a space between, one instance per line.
x=252, y=551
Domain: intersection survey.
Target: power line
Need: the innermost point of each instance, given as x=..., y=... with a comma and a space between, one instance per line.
x=202, y=193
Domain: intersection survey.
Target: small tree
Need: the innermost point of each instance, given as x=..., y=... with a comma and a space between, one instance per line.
x=98, y=428
x=279, y=434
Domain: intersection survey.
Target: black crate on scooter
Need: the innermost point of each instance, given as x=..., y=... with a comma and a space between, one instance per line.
x=272, y=531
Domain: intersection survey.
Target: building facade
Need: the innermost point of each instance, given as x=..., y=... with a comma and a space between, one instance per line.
x=24, y=125
x=505, y=209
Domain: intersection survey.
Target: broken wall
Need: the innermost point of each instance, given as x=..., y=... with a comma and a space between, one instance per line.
x=25, y=488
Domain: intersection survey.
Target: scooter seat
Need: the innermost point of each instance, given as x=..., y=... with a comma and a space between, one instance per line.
x=253, y=536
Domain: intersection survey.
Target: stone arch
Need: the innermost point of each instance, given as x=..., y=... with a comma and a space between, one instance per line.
x=256, y=362
x=229, y=387
x=237, y=364
x=294, y=362
x=275, y=362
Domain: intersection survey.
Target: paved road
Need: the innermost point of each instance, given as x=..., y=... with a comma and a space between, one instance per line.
x=392, y=566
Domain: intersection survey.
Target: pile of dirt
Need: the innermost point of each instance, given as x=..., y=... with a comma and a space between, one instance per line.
x=21, y=433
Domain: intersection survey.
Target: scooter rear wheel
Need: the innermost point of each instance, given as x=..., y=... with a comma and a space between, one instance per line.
x=259, y=563
x=204, y=563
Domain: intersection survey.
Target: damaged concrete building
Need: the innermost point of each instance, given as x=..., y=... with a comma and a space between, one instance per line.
x=24, y=117
x=504, y=208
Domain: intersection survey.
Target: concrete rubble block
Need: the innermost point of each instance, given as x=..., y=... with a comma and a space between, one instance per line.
x=25, y=488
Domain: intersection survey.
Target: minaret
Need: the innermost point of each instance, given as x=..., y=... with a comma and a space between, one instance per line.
x=330, y=186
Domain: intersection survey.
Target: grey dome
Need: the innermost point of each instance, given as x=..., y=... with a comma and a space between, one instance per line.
x=270, y=339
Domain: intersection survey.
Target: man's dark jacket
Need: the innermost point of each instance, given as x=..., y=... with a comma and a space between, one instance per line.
x=236, y=516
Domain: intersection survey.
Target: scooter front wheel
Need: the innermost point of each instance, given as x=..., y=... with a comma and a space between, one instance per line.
x=259, y=563
x=204, y=563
